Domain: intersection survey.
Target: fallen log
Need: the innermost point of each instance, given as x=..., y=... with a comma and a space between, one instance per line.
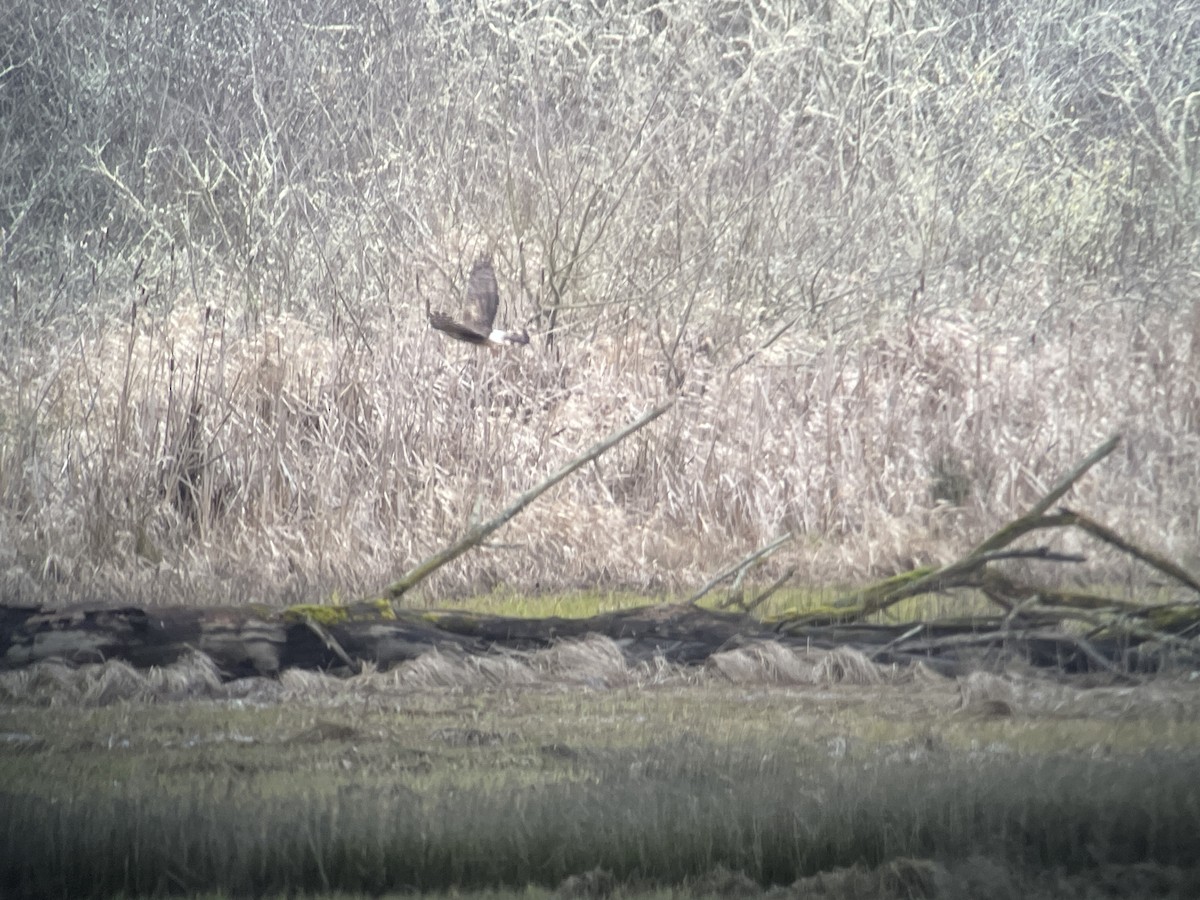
x=1072, y=631
x=244, y=642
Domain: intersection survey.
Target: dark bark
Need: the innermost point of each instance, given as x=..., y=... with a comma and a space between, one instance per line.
x=246, y=642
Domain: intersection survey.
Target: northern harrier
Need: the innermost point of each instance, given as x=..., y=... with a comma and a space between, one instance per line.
x=482, y=298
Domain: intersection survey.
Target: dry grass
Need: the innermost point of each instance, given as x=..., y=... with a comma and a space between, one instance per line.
x=288, y=470
x=902, y=269
x=595, y=663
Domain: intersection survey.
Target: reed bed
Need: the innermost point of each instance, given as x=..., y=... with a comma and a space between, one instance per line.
x=901, y=267
x=205, y=467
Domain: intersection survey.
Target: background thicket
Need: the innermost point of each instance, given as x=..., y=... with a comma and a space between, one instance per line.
x=902, y=261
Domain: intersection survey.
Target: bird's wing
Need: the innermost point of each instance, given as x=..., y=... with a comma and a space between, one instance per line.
x=463, y=331
x=482, y=295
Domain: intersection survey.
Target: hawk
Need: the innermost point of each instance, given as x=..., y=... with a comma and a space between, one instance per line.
x=482, y=298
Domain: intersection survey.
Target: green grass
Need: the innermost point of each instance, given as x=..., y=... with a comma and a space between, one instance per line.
x=784, y=602
x=369, y=790
x=663, y=814
x=568, y=605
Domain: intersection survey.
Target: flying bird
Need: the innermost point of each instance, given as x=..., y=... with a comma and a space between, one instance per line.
x=482, y=299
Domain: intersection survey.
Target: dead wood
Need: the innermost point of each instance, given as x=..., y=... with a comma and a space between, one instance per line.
x=478, y=533
x=243, y=643
x=738, y=572
x=1037, y=617
x=1154, y=560
x=353, y=665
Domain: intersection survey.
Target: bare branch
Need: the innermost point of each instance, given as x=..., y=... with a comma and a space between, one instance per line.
x=478, y=533
x=741, y=567
x=1161, y=563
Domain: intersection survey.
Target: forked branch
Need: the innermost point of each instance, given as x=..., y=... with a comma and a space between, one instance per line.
x=968, y=570
x=739, y=569
x=1033, y=520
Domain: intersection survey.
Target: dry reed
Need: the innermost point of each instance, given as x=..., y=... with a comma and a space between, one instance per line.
x=897, y=291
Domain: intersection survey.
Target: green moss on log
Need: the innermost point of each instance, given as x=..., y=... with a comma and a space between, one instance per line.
x=326, y=616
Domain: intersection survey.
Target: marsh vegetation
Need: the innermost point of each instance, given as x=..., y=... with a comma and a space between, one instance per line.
x=900, y=265
x=903, y=263
x=577, y=774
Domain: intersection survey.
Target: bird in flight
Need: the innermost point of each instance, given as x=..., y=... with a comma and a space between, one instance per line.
x=482, y=299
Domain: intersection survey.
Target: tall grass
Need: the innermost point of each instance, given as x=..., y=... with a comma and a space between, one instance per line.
x=904, y=264
x=666, y=815
x=202, y=464
x=454, y=774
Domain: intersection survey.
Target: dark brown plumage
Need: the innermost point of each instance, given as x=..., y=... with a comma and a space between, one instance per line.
x=483, y=299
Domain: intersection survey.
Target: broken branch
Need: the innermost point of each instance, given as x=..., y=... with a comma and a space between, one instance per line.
x=478, y=533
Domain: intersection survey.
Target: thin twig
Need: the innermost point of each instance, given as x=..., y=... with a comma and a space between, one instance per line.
x=893, y=644
x=1043, y=553
x=736, y=568
x=779, y=582
x=1106, y=534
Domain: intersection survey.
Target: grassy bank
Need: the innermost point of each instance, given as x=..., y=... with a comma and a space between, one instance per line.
x=364, y=786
